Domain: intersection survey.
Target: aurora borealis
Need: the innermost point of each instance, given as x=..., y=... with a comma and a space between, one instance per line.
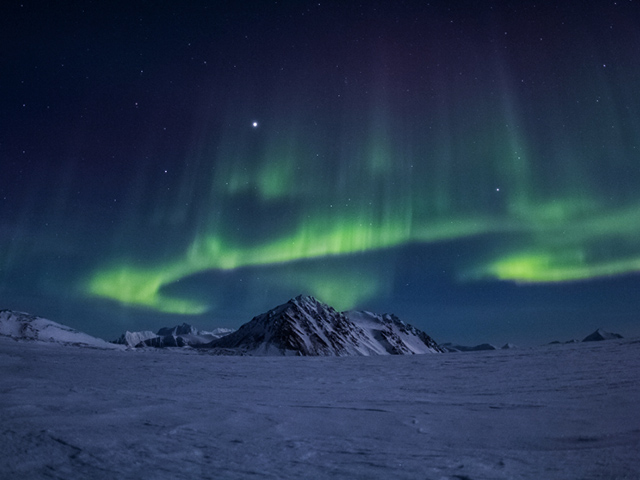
x=472, y=168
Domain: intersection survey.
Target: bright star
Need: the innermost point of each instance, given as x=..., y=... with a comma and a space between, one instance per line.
x=255, y=124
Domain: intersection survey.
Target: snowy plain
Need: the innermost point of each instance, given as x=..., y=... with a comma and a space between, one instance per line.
x=552, y=412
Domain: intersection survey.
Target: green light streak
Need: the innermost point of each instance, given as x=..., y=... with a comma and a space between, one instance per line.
x=314, y=240
x=276, y=176
x=141, y=287
x=564, y=258
x=385, y=189
x=554, y=267
x=569, y=249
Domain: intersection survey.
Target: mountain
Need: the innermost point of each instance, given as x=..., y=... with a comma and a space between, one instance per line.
x=600, y=334
x=131, y=339
x=308, y=327
x=395, y=336
x=24, y=326
x=178, y=330
x=449, y=347
x=558, y=342
x=184, y=335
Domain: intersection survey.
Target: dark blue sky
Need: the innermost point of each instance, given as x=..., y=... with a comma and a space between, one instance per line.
x=472, y=167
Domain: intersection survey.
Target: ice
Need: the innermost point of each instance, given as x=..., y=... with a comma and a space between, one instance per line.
x=552, y=412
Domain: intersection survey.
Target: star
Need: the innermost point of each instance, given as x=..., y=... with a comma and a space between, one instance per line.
x=254, y=124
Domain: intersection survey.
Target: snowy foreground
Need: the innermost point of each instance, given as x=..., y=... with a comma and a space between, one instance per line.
x=561, y=411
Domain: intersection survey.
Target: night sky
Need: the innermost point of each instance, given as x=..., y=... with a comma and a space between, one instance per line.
x=472, y=167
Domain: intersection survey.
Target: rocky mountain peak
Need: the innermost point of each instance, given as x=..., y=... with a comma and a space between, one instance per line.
x=306, y=326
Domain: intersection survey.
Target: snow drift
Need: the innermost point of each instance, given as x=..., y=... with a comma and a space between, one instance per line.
x=551, y=412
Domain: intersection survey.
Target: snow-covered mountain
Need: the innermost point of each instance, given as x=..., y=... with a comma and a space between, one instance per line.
x=596, y=336
x=24, y=326
x=450, y=347
x=132, y=339
x=305, y=326
x=601, y=334
x=392, y=334
x=184, y=335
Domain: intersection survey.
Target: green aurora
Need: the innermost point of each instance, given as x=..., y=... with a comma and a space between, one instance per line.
x=473, y=167
x=388, y=187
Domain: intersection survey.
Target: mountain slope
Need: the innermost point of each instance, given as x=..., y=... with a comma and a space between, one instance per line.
x=305, y=326
x=24, y=326
x=392, y=336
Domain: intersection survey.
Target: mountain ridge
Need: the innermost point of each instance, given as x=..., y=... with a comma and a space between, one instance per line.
x=305, y=326
x=184, y=335
x=25, y=326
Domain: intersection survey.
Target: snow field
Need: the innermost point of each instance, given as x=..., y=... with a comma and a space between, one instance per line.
x=561, y=411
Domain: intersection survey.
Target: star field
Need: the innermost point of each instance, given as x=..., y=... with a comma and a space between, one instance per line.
x=473, y=168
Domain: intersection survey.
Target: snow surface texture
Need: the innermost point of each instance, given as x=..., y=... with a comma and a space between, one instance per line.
x=305, y=326
x=20, y=325
x=551, y=412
